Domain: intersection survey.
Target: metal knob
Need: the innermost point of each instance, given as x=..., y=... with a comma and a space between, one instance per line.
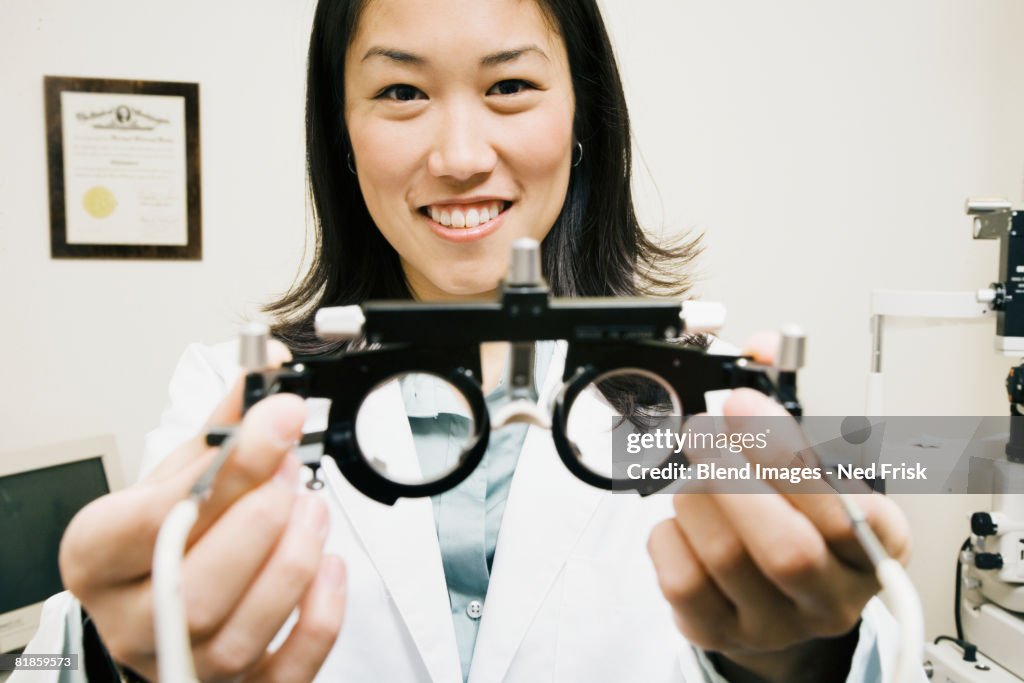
x=524, y=269
x=252, y=345
x=791, y=349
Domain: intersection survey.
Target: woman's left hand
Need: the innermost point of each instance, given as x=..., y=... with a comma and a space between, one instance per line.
x=771, y=580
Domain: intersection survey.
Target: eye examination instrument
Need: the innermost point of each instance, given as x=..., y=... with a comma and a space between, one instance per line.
x=988, y=594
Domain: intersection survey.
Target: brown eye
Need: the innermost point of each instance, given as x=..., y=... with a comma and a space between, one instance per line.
x=510, y=87
x=401, y=93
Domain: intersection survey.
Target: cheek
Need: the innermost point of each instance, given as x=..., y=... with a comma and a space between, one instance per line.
x=540, y=155
x=542, y=143
x=384, y=161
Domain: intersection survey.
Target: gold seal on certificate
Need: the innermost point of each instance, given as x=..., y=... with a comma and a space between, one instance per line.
x=99, y=202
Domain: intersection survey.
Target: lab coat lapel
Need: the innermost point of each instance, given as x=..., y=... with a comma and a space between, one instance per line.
x=401, y=540
x=547, y=511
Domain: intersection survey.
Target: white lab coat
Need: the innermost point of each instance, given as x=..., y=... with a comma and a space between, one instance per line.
x=572, y=597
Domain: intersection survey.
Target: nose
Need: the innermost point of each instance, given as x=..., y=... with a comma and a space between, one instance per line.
x=462, y=149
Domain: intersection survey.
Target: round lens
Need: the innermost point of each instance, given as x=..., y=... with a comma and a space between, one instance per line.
x=623, y=418
x=415, y=428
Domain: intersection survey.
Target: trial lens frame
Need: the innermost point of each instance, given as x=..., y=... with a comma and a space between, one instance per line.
x=443, y=339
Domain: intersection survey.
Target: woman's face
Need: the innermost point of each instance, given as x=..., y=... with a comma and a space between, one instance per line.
x=457, y=111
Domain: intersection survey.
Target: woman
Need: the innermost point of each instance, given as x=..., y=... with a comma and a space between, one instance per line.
x=438, y=133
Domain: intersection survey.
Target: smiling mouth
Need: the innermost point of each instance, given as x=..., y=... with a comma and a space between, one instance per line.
x=468, y=216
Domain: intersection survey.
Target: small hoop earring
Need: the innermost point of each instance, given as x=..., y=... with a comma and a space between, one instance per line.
x=578, y=157
x=351, y=164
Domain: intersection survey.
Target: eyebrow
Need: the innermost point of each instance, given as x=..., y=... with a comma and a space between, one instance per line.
x=511, y=55
x=490, y=60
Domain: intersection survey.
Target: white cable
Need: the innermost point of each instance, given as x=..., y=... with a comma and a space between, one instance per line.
x=900, y=595
x=906, y=606
x=170, y=623
x=173, y=644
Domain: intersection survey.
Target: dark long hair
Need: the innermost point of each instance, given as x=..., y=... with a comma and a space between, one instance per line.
x=596, y=246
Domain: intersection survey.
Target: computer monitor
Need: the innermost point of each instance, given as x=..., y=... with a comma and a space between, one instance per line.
x=41, y=489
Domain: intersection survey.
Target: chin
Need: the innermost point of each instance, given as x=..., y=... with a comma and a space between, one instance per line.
x=468, y=285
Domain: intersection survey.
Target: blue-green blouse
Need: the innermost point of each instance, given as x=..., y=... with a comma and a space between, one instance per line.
x=467, y=517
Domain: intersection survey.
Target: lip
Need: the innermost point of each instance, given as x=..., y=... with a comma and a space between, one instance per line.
x=461, y=235
x=476, y=199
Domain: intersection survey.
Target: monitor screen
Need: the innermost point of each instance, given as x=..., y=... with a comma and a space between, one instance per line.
x=35, y=508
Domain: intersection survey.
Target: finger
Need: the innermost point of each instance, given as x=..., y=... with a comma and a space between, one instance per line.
x=750, y=411
x=888, y=522
x=123, y=616
x=763, y=518
x=220, y=566
x=227, y=412
x=766, y=617
x=763, y=346
x=320, y=616
x=790, y=552
x=217, y=571
x=270, y=431
x=112, y=539
x=784, y=543
x=230, y=410
x=784, y=445
x=703, y=613
x=272, y=596
x=786, y=546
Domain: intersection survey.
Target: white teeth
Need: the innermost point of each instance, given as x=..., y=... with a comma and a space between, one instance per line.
x=468, y=218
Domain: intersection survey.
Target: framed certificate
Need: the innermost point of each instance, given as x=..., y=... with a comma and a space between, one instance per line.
x=124, y=168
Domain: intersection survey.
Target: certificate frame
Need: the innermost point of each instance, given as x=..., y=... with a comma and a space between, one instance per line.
x=187, y=242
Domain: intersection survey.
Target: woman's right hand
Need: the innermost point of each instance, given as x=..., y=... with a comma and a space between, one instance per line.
x=255, y=554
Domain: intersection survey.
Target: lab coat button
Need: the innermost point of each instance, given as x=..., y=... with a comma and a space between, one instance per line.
x=474, y=609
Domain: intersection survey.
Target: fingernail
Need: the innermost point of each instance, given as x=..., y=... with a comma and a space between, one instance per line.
x=285, y=420
x=311, y=514
x=288, y=433
x=287, y=473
